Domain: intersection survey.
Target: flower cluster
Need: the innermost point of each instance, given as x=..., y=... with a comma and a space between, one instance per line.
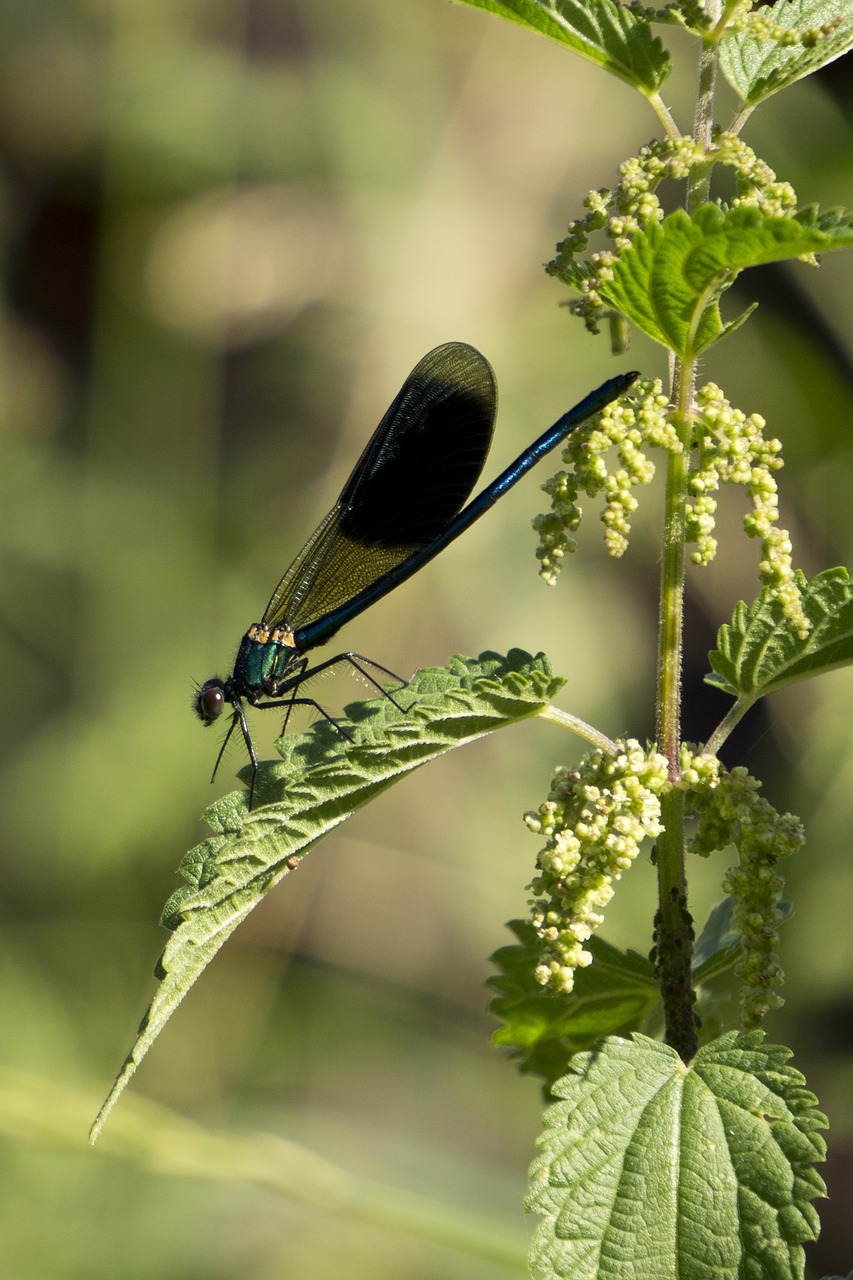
x=594, y=820
x=762, y=26
x=627, y=426
x=729, y=811
x=632, y=205
x=757, y=185
x=689, y=13
x=629, y=207
x=732, y=449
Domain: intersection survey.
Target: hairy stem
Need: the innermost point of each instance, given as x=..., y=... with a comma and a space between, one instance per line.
x=672, y=581
x=673, y=924
x=665, y=116
x=732, y=717
x=674, y=939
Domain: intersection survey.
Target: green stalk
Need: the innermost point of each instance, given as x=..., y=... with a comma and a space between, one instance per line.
x=674, y=937
x=597, y=740
x=674, y=926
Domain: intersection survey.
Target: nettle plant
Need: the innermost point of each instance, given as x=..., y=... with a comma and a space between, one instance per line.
x=668, y=1153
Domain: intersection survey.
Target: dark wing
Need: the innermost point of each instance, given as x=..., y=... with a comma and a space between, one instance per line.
x=414, y=476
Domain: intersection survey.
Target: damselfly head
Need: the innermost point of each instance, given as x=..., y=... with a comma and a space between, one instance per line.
x=209, y=701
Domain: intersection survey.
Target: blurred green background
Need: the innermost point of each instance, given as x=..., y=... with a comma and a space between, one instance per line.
x=229, y=231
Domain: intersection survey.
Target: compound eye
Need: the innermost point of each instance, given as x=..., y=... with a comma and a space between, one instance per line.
x=210, y=702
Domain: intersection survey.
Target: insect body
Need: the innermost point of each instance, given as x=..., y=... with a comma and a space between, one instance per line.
x=402, y=505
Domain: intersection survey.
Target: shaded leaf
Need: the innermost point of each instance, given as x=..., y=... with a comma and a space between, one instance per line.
x=718, y=947
x=542, y=1029
x=717, y=951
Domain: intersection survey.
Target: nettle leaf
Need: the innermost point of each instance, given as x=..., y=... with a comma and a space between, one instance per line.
x=653, y=1168
x=615, y=995
x=758, y=68
x=757, y=653
x=669, y=282
x=601, y=31
x=321, y=780
x=542, y=1029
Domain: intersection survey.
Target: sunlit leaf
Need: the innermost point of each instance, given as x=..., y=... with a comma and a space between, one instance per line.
x=758, y=68
x=757, y=652
x=653, y=1168
x=604, y=32
x=669, y=282
x=321, y=780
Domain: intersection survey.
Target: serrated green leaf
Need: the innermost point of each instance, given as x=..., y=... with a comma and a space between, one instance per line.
x=669, y=282
x=757, y=653
x=543, y=1029
x=650, y=1168
x=321, y=780
x=601, y=31
x=758, y=68
x=615, y=995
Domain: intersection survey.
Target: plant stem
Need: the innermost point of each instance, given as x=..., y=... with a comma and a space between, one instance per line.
x=672, y=581
x=740, y=120
x=674, y=936
x=674, y=927
x=732, y=717
x=664, y=114
x=586, y=731
x=700, y=178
